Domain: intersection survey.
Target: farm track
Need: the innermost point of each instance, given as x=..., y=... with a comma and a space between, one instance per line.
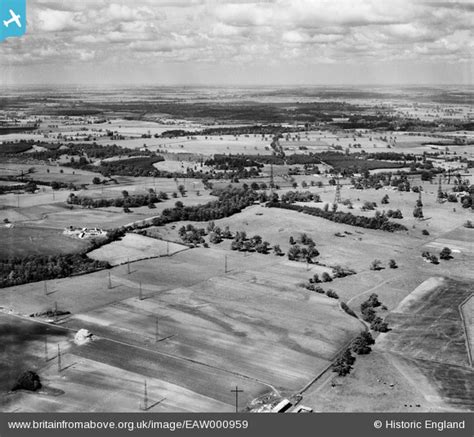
x=324, y=372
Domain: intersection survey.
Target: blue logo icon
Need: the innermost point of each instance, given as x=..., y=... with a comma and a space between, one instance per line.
x=12, y=18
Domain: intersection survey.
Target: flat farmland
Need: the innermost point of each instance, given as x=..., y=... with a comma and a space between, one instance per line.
x=81, y=384
x=84, y=382
x=280, y=338
x=59, y=215
x=428, y=331
x=420, y=365
x=356, y=250
x=29, y=240
x=47, y=172
x=378, y=383
x=133, y=247
x=196, y=324
x=429, y=326
x=23, y=348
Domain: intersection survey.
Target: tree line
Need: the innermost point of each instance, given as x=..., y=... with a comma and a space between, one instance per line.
x=129, y=201
x=380, y=221
x=230, y=201
x=33, y=268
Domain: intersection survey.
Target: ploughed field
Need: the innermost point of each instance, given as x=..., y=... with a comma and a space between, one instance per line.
x=184, y=324
x=429, y=331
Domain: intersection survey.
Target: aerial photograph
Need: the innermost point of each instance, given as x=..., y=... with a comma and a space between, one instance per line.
x=237, y=206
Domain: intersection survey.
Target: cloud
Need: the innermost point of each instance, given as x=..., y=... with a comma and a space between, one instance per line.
x=242, y=32
x=49, y=20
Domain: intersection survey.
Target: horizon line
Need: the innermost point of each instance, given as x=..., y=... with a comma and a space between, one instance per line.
x=236, y=85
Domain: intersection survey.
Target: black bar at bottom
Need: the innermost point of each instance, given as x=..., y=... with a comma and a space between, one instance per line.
x=319, y=424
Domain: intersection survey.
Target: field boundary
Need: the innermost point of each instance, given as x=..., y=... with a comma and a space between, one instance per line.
x=466, y=327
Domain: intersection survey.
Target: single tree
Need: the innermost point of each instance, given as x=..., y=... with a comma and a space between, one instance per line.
x=376, y=265
x=445, y=253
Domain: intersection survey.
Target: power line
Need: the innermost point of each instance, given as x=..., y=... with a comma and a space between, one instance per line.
x=337, y=197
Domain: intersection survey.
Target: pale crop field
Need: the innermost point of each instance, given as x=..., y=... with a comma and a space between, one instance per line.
x=134, y=247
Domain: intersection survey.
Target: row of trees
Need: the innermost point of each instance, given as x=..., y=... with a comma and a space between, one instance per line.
x=82, y=150
x=318, y=289
x=369, y=315
x=4, y=189
x=380, y=221
x=231, y=200
x=126, y=201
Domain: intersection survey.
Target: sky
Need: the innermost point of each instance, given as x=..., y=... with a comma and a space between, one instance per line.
x=242, y=42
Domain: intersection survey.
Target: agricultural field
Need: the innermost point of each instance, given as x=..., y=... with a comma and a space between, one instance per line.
x=134, y=247
x=279, y=336
x=34, y=240
x=427, y=355
x=192, y=318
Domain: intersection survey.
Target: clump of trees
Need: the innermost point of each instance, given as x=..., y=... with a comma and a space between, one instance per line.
x=304, y=251
x=137, y=166
x=367, y=307
x=28, y=380
x=341, y=272
x=191, y=235
x=368, y=206
x=418, y=212
x=370, y=316
x=397, y=214
x=300, y=196
x=33, y=268
x=361, y=345
x=343, y=364
x=216, y=235
x=379, y=325
x=252, y=244
x=445, y=254
x=433, y=259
